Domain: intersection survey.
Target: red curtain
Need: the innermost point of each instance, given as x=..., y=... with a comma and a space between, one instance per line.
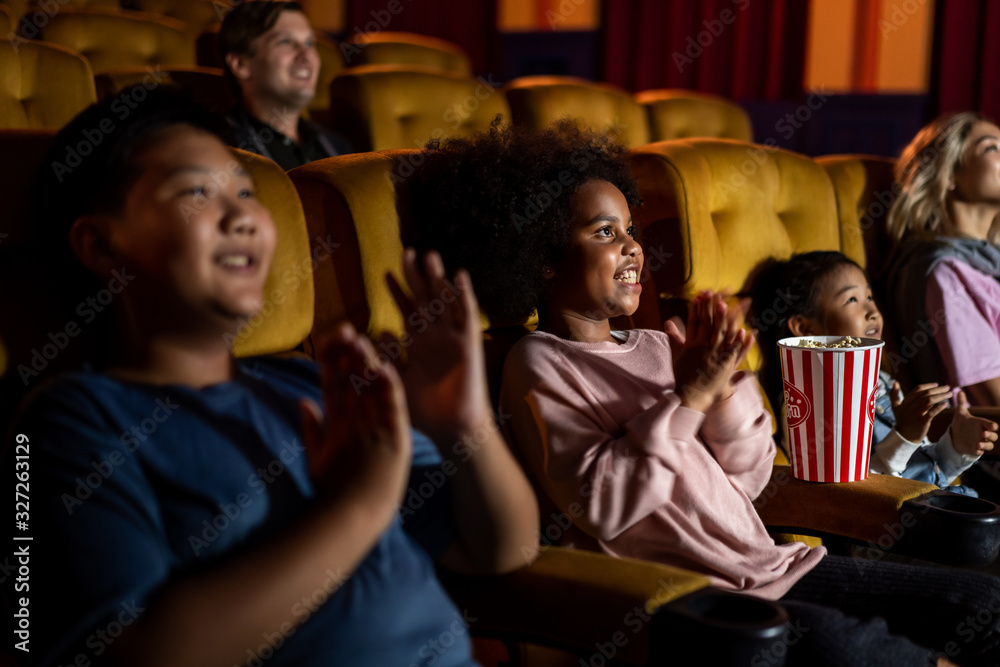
x=742, y=49
x=471, y=25
x=965, y=70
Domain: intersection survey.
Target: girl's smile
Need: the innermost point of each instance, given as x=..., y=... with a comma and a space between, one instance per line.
x=597, y=277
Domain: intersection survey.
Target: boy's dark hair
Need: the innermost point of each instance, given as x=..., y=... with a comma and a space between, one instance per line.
x=90, y=166
x=780, y=290
x=244, y=24
x=499, y=204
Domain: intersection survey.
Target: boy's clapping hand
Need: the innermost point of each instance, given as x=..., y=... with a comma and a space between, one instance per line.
x=445, y=372
x=365, y=439
x=714, y=345
x=971, y=435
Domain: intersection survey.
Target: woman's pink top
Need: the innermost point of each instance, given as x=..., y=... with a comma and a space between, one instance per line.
x=622, y=468
x=966, y=304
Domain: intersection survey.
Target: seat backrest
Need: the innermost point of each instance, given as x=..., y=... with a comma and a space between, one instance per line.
x=286, y=318
x=6, y=20
x=865, y=189
x=350, y=206
x=42, y=85
x=684, y=114
x=206, y=47
x=198, y=15
x=381, y=107
x=406, y=48
x=715, y=208
x=206, y=84
x=42, y=5
x=17, y=9
x=331, y=63
x=539, y=101
x=116, y=38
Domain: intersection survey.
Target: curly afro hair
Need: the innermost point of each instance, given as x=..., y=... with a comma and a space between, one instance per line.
x=500, y=204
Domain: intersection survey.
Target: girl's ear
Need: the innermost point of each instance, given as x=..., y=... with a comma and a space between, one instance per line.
x=800, y=325
x=89, y=237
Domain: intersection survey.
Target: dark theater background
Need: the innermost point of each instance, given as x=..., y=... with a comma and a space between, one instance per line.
x=869, y=72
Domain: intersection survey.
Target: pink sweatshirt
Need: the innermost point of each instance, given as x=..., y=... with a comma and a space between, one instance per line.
x=609, y=447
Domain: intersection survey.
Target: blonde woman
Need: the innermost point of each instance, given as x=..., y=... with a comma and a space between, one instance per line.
x=943, y=285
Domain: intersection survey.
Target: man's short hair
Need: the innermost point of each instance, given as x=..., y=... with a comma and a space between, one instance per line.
x=244, y=24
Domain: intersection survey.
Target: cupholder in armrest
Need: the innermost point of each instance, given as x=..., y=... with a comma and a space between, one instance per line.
x=949, y=528
x=953, y=502
x=714, y=627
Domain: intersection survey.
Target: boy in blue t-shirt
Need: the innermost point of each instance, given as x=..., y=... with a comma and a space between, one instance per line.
x=199, y=509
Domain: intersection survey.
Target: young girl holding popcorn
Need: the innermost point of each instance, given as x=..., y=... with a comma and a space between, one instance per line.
x=826, y=294
x=651, y=443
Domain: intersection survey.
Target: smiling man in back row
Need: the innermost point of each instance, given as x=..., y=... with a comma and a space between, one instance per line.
x=269, y=54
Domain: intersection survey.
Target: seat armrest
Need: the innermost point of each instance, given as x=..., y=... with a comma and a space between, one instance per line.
x=862, y=511
x=571, y=599
x=888, y=513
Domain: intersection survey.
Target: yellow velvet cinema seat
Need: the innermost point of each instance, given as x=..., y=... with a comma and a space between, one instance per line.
x=115, y=38
x=713, y=210
x=352, y=221
x=207, y=85
x=6, y=20
x=197, y=15
x=42, y=85
x=566, y=600
x=865, y=190
x=684, y=114
x=286, y=317
x=407, y=49
x=36, y=14
x=331, y=63
x=17, y=9
x=380, y=107
x=41, y=5
x=352, y=217
x=539, y=101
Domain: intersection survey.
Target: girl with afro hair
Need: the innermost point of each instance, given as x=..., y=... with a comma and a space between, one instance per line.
x=642, y=443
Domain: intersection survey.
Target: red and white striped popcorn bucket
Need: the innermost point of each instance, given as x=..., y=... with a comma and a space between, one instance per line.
x=829, y=407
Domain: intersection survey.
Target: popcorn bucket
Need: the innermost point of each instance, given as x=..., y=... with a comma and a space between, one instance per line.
x=829, y=407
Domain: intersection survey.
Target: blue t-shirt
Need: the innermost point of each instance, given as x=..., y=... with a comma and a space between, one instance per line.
x=138, y=484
